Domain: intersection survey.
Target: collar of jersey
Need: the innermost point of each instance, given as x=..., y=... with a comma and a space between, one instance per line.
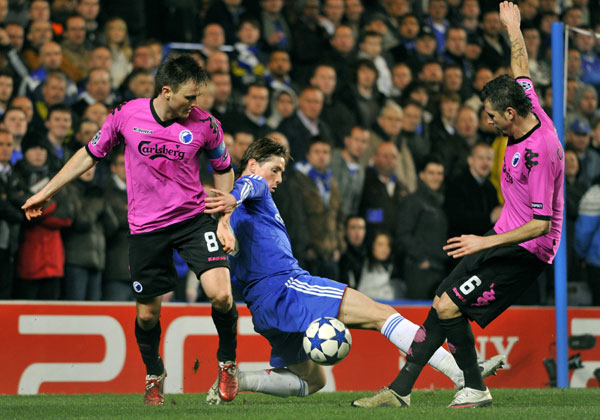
x=157, y=118
x=512, y=140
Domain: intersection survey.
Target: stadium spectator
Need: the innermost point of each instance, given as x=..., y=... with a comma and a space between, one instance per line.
x=140, y=84
x=377, y=275
x=275, y=30
x=41, y=256
x=75, y=48
x=54, y=90
x=310, y=39
x=97, y=89
x=38, y=33
x=89, y=10
x=84, y=240
x=382, y=191
x=388, y=129
x=402, y=76
x=421, y=232
x=443, y=125
x=117, y=40
x=252, y=119
x=59, y=128
x=347, y=169
x=370, y=48
x=436, y=20
x=278, y=71
x=495, y=51
x=414, y=132
x=213, y=39
x=324, y=77
x=225, y=101
x=10, y=217
x=342, y=54
x=96, y=112
x=540, y=70
x=333, y=13
x=456, y=45
x=590, y=61
x=353, y=257
x=217, y=61
x=241, y=140
x=228, y=14
x=86, y=130
x=471, y=202
x=586, y=100
x=15, y=122
x=425, y=49
x=25, y=104
x=283, y=105
x=482, y=76
x=143, y=58
x=188, y=229
x=470, y=11
x=456, y=148
x=362, y=97
x=305, y=123
x=323, y=209
x=248, y=57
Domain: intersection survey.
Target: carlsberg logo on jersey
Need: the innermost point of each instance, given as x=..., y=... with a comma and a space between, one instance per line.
x=154, y=151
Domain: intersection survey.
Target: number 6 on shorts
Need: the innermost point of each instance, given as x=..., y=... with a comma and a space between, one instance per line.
x=469, y=285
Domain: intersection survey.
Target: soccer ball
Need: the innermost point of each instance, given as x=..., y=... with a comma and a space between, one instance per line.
x=327, y=341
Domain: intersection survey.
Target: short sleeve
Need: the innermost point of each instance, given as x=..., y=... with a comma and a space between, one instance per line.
x=527, y=85
x=107, y=137
x=215, y=147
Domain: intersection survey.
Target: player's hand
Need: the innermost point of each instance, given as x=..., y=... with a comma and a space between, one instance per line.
x=460, y=246
x=225, y=234
x=34, y=205
x=510, y=15
x=220, y=203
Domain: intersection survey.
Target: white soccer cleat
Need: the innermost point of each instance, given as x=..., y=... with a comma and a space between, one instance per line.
x=490, y=366
x=471, y=398
x=212, y=396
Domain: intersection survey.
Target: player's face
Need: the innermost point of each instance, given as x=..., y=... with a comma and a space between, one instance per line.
x=497, y=119
x=184, y=99
x=271, y=171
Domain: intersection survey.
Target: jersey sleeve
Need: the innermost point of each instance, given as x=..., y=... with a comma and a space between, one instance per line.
x=215, y=147
x=527, y=84
x=249, y=187
x=108, y=136
x=541, y=182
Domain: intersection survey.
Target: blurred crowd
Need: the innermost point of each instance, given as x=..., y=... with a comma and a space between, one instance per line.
x=377, y=100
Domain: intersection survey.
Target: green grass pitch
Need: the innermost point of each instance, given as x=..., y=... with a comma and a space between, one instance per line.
x=510, y=404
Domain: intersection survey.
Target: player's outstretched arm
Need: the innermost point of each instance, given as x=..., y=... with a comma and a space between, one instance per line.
x=78, y=164
x=222, y=202
x=510, y=16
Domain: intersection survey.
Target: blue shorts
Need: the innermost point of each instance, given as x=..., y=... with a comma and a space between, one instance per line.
x=284, y=309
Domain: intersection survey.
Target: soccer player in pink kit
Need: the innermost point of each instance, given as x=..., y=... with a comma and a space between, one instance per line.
x=498, y=267
x=163, y=139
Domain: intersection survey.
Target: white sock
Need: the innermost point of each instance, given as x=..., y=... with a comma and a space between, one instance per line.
x=280, y=382
x=401, y=332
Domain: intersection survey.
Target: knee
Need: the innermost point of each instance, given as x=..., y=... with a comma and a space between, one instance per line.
x=148, y=318
x=316, y=382
x=445, y=308
x=222, y=301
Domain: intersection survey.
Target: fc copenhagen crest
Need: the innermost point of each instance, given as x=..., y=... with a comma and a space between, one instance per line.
x=186, y=136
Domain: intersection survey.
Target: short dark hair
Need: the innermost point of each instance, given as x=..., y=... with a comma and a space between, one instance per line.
x=178, y=69
x=319, y=139
x=59, y=108
x=432, y=158
x=262, y=150
x=504, y=92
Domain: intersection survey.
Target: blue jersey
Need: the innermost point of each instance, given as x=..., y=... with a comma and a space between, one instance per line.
x=264, y=246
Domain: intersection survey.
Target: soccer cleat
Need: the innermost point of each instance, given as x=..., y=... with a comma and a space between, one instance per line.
x=212, y=396
x=490, y=366
x=487, y=367
x=385, y=397
x=228, y=380
x=154, y=389
x=471, y=398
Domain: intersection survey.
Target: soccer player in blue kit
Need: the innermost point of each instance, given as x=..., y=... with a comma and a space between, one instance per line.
x=283, y=298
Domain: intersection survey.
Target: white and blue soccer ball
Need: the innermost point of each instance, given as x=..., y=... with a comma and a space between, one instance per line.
x=327, y=341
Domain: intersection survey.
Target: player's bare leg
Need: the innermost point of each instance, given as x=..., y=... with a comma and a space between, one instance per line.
x=147, y=333
x=217, y=286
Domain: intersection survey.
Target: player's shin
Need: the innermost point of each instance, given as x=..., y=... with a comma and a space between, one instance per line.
x=426, y=341
x=462, y=346
x=148, y=342
x=226, y=324
x=401, y=332
x=278, y=382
